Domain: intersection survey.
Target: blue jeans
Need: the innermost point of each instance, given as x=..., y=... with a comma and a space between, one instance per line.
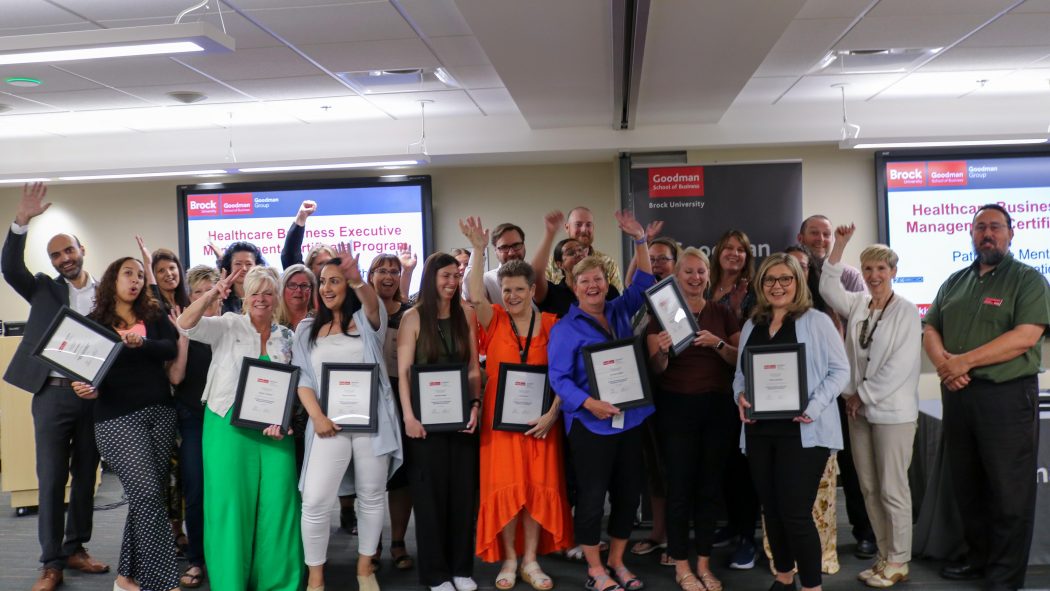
x=191, y=467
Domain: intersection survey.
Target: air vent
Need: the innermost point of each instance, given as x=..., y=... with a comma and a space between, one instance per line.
x=400, y=80
x=873, y=61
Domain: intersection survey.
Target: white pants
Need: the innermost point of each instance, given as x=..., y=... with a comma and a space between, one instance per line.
x=881, y=455
x=328, y=460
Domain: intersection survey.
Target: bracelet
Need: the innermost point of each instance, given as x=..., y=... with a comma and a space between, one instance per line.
x=358, y=286
x=476, y=402
x=642, y=240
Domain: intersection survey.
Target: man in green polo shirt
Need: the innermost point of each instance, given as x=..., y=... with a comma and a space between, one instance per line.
x=983, y=333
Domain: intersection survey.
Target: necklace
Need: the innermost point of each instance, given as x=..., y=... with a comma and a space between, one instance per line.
x=865, y=338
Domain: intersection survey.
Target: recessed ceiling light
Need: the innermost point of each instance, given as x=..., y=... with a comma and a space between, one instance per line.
x=187, y=97
x=23, y=82
x=140, y=175
x=872, y=61
x=23, y=181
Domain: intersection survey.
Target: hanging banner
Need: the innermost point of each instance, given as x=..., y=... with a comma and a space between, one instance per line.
x=700, y=203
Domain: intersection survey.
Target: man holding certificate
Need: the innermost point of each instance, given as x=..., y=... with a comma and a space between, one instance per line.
x=62, y=423
x=605, y=440
x=522, y=477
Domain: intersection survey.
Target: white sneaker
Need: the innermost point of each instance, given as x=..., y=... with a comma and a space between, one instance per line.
x=446, y=586
x=464, y=584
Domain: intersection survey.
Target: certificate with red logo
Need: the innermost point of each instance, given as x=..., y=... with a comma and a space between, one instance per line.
x=78, y=347
x=265, y=391
x=522, y=396
x=439, y=396
x=350, y=395
x=617, y=373
x=776, y=381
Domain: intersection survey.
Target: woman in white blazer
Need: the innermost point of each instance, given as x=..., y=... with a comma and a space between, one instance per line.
x=883, y=343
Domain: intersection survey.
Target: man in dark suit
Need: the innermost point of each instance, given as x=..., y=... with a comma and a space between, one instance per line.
x=62, y=422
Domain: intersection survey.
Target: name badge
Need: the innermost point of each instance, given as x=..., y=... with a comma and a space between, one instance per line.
x=993, y=302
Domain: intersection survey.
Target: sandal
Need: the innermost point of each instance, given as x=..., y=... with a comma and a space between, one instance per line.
x=595, y=584
x=627, y=579
x=666, y=560
x=647, y=546
x=711, y=583
x=537, y=579
x=689, y=582
x=507, y=577
x=401, y=561
x=191, y=580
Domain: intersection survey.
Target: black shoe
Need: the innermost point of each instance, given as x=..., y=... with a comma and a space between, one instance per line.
x=778, y=586
x=962, y=572
x=865, y=550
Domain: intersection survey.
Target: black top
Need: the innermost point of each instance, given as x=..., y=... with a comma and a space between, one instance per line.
x=292, y=251
x=394, y=320
x=560, y=296
x=191, y=388
x=785, y=336
x=137, y=378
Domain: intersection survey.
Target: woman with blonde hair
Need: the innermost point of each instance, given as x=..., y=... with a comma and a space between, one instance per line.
x=298, y=286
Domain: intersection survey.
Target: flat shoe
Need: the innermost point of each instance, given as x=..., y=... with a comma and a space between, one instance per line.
x=368, y=583
x=507, y=577
x=711, y=583
x=647, y=546
x=537, y=579
x=689, y=582
x=628, y=580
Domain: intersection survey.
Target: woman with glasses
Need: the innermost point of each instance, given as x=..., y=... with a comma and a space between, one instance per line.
x=556, y=298
x=788, y=456
x=297, y=296
x=883, y=340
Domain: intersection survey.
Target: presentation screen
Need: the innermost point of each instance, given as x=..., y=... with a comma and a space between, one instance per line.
x=371, y=215
x=927, y=203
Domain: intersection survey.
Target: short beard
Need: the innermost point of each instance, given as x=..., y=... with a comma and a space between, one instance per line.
x=990, y=258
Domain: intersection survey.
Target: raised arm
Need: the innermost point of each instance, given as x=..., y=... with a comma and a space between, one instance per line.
x=292, y=251
x=408, y=266
x=479, y=238
x=147, y=261
x=362, y=289
x=652, y=230
x=551, y=222
x=13, y=260
x=634, y=230
x=195, y=311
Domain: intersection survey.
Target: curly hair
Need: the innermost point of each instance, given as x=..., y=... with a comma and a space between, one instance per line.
x=145, y=307
x=226, y=263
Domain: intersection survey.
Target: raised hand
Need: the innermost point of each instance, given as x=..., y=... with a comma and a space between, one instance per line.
x=553, y=221
x=629, y=225
x=475, y=232
x=350, y=265
x=222, y=288
x=306, y=209
x=844, y=233
x=408, y=259
x=652, y=230
x=32, y=203
x=219, y=252
x=147, y=258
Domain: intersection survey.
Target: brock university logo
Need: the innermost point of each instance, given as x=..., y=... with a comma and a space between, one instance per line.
x=905, y=175
x=202, y=205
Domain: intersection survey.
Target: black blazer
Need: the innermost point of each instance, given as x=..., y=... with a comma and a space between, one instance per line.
x=46, y=296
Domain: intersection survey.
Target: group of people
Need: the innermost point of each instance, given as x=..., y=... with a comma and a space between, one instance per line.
x=257, y=503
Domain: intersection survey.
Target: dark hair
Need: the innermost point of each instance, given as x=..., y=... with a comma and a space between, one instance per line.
x=381, y=260
x=805, y=222
x=669, y=243
x=503, y=229
x=747, y=273
x=181, y=294
x=429, y=341
x=561, y=245
x=241, y=246
x=517, y=268
x=323, y=315
x=996, y=207
x=145, y=307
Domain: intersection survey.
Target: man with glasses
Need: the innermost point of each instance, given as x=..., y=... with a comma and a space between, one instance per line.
x=983, y=333
x=509, y=241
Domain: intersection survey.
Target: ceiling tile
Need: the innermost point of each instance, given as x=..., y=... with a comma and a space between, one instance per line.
x=1013, y=30
x=472, y=77
x=763, y=91
x=917, y=31
x=986, y=58
x=802, y=46
x=1033, y=6
x=34, y=13
x=88, y=100
x=263, y=62
x=336, y=23
x=261, y=4
x=906, y=8
x=23, y=106
x=832, y=9
x=245, y=34
x=1030, y=81
x=460, y=50
x=940, y=84
x=134, y=71
x=52, y=80
x=446, y=103
x=819, y=88
x=495, y=101
x=272, y=89
x=329, y=110
x=437, y=18
x=116, y=10
x=215, y=93
x=372, y=55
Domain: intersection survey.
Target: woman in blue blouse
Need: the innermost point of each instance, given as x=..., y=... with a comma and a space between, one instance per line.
x=787, y=456
x=606, y=443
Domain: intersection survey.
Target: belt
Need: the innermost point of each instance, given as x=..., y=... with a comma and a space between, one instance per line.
x=60, y=382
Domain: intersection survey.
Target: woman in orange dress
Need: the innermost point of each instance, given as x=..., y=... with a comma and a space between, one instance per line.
x=523, y=508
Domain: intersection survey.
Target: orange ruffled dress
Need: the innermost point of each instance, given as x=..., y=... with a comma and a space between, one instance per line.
x=519, y=471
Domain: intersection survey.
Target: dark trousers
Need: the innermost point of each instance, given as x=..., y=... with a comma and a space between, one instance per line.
x=65, y=445
x=786, y=477
x=694, y=432
x=739, y=490
x=991, y=434
x=606, y=464
x=444, y=480
x=191, y=467
x=855, y=508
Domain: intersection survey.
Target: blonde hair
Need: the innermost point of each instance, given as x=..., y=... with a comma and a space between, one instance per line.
x=692, y=251
x=803, y=300
x=879, y=253
x=257, y=279
x=588, y=263
x=314, y=252
x=283, y=316
x=201, y=273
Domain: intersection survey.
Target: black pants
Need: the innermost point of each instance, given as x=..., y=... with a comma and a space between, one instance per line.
x=694, y=431
x=991, y=434
x=606, y=464
x=65, y=445
x=191, y=468
x=786, y=477
x=741, y=500
x=855, y=509
x=444, y=480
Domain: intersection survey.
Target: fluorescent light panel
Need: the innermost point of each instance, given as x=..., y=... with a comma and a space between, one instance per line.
x=330, y=166
x=137, y=175
x=22, y=181
x=90, y=53
x=874, y=144
x=119, y=42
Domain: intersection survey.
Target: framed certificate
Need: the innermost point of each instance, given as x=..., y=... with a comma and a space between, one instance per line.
x=439, y=396
x=523, y=394
x=617, y=373
x=350, y=395
x=78, y=347
x=265, y=392
x=775, y=381
x=670, y=309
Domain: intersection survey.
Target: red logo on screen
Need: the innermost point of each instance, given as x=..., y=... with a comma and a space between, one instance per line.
x=201, y=205
x=905, y=174
x=947, y=173
x=676, y=181
x=923, y=309
x=237, y=204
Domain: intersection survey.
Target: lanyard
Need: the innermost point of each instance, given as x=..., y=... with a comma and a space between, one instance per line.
x=608, y=335
x=444, y=343
x=524, y=353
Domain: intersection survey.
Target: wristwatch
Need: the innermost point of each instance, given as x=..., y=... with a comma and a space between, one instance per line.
x=476, y=402
x=721, y=344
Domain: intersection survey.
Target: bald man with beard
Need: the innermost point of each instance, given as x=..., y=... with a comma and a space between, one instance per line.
x=63, y=423
x=580, y=227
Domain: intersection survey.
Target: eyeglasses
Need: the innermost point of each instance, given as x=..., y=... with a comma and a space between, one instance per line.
x=299, y=286
x=510, y=247
x=994, y=227
x=390, y=272
x=572, y=252
x=659, y=260
x=783, y=280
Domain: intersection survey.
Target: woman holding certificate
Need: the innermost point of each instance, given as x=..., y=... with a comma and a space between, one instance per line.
x=883, y=340
x=792, y=364
x=605, y=440
x=437, y=340
x=522, y=477
x=135, y=423
x=695, y=419
x=251, y=506
x=349, y=328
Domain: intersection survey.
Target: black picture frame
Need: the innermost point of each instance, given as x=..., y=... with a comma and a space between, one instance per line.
x=671, y=283
x=420, y=371
x=498, y=424
x=371, y=370
x=752, y=356
x=248, y=365
x=87, y=328
x=630, y=346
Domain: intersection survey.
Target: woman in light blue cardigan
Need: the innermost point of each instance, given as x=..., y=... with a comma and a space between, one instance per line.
x=787, y=456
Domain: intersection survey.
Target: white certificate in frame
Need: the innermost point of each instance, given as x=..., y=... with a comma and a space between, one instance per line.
x=617, y=373
x=775, y=383
x=350, y=395
x=523, y=395
x=78, y=347
x=668, y=306
x=439, y=396
x=265, y=391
